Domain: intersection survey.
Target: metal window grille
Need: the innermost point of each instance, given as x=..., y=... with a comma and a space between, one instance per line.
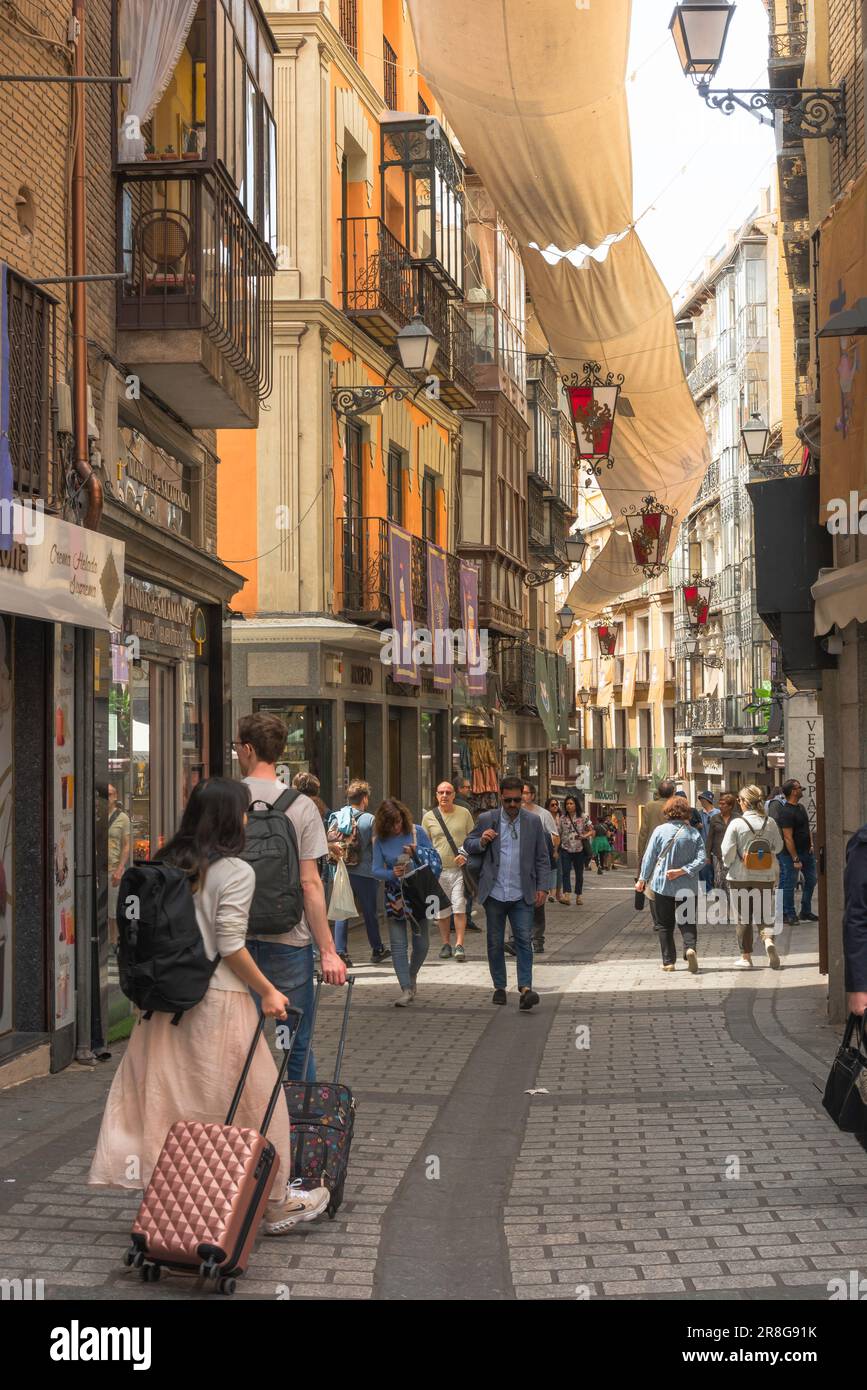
x=349, y=25
x=32, y=358
x=389, y=63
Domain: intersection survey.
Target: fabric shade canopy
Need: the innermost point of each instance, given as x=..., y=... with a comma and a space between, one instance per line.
x=841, y=597
x=535, y=90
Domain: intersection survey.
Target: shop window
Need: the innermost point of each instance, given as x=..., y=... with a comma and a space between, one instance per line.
x=308, y=740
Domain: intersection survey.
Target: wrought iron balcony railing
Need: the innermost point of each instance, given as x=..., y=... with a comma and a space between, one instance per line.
x=451, y=328
x=789, y=43
x=377, y=277
x=703, y=716
x=704, y=373
x=518, y=676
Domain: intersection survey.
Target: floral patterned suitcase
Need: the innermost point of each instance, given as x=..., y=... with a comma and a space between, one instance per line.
x=322, y=1118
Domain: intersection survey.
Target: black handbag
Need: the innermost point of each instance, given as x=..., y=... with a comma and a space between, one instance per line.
x=419, y=888
x=639, y=900
x=845, y=1097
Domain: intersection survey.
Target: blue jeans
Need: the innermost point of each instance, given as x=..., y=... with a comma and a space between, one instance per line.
x=407, y=967
x=366, y=893
x=788, y=877
x=290, y=969
x=520, y=917
x=572, y=859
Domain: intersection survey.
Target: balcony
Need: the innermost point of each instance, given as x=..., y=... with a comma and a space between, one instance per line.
x=702, y=717
x=363, y=574
x=741, y=720
x=194, y=307
x=377, y=278
x=499, y=356
x=709, y=484
x=537, y=517
x=704, y=375
x=32, y=359
x=518, y=676
x=448, y=323
x=542, y=368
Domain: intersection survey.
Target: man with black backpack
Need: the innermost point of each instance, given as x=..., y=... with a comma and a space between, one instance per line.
x=285, y=841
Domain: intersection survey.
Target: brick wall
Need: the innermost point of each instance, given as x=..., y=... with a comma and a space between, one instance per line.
x=846, y=27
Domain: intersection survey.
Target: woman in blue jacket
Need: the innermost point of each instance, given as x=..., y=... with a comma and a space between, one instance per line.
x=674, y=856
x=398, y=844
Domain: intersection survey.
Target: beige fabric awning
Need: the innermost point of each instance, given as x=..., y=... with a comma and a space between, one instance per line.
x=841, y=597
x=536, y=92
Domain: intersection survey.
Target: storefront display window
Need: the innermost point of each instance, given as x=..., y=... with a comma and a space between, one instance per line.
x=308, y=742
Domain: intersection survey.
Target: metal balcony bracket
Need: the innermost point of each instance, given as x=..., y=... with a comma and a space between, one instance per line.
x=352, y=402
x=812, y=113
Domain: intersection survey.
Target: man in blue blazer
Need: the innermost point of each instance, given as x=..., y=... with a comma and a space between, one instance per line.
x=513, y=881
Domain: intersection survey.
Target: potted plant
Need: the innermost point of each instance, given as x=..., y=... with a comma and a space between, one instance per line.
x=169, y=152
x=191, y=145
x=150, y=152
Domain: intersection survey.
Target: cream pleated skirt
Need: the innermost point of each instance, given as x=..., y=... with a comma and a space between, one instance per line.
x=188, y=1072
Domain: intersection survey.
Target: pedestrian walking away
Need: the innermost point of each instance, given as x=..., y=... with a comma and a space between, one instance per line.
x=671, y=865
x=352, y=829
x=398, y=844
x=750, y=847
x=549, y=826
x=576, y=830
x=601, y=847
x=797, y=855
x=447, y=827
x=717, y=826
x=189, y=1069
x=652, y=814
x=516, y=870
x=708, y=813
x=286, y=956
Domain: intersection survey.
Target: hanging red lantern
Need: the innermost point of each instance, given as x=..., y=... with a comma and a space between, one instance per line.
x=696, y=598
x=650, y=532
x=593, y=406
x=606, y=636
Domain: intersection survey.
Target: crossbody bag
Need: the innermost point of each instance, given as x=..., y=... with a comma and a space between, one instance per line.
x=471, y=882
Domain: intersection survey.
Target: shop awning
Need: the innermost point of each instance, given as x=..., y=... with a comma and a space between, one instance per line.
x=841, y=597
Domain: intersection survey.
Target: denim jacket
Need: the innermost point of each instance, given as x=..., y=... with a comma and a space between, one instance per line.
x=660, y=856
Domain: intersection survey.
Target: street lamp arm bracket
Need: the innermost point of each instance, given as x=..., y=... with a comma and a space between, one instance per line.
x=813, y=113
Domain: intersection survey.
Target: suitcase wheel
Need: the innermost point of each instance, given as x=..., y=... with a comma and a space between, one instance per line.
x=134, y=1257
x=226, y=1286
x=150, y=1273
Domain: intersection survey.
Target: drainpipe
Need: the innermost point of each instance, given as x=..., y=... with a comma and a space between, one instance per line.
x=90, y=482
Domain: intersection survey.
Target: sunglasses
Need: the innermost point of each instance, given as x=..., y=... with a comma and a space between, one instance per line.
x=512, y=800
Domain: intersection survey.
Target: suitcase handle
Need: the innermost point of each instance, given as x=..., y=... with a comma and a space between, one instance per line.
x=287, y=1053
x=350, y=981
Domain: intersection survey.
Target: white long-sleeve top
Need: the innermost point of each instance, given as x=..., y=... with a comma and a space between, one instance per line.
x=750, y=825
x=222, y=912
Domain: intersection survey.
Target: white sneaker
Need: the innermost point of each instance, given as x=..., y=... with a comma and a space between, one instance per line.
x=297, y=1206
x=741, y=964
x=406, y=997
x=773, y=955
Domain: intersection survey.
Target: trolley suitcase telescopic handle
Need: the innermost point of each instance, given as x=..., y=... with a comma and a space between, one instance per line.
x=350, y=981
x=297, y=1015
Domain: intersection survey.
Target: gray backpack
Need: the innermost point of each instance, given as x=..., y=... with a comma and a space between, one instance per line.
x=271, y=850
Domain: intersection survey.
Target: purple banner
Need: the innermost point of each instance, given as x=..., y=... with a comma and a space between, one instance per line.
x=6, y=523
x=404, y=669
x=438, y=617
x=477, y=680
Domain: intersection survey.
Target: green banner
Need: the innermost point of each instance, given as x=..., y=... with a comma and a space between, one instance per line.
x=546, y=695
x=609, y=775
x=565, y=697
x=659, y=766
x=633, y=758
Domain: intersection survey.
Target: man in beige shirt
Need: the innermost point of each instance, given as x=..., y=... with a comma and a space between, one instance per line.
x=453, y=822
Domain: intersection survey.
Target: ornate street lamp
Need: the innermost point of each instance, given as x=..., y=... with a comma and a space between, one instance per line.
x=690, y=646
x=699, y=29
x=566, y=619
x=592, y=406
x=756, y=437
x=576, y=548
x=650, y=532
x=696, y=598
x=585, y=696
x=417, y=348
x=606, y=636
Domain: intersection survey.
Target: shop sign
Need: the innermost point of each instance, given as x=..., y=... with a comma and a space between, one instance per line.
x=152, y=482
x=361, y=675
x=713, y=767
x=163, y=621
x=606, y=797
x=62, y=573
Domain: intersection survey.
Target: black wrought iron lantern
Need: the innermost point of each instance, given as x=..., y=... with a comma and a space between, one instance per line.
x=699, y=29
x=606, y=636
x=696, y=597
x=592, y=407
x=566, y=619
x=650, y=532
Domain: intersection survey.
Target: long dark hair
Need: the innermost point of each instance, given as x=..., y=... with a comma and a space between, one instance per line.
x=212, y=827
x=575, y=802
x=389, y=811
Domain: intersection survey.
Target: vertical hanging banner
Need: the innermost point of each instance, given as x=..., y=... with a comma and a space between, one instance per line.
x=564, y=698
x=545, y=695
x=627, y=693
x=659, y=765
x=6, y=481
x=656, y=688
x=632, y=762
x=477, y=668
x=404, y=668
x=609, y=770
x=438, y=617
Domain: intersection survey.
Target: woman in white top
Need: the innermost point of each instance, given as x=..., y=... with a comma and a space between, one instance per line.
x=749, y=852
x=189, y=1071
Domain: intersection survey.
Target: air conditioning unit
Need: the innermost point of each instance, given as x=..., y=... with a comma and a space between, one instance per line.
x=63, y=407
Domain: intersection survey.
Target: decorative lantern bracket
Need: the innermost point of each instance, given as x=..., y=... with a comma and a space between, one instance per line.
x=593, y=402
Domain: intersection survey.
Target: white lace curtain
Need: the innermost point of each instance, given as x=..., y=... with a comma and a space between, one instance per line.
x=152, y=35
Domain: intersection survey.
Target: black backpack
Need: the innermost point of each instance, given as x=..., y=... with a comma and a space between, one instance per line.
x=162, y=961
x=271, y=850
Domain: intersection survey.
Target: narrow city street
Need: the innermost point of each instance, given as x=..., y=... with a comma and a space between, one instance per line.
x=639, y=1134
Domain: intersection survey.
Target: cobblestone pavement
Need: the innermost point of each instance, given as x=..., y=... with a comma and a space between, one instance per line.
x=674, y=1146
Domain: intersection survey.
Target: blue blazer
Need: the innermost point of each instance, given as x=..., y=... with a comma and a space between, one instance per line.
x=535, y=859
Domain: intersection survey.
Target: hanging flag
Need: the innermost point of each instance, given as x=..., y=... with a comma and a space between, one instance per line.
x=477, y=666
x=438, y=617
x=404, y=668
x=564, y=698
x=627, y=693
x=6, y=479
x=545, y=696
x=660, y=765
x=632, y=763
x=609, y=770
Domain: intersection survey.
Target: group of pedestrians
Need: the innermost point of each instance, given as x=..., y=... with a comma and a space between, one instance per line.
x=744, y=848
